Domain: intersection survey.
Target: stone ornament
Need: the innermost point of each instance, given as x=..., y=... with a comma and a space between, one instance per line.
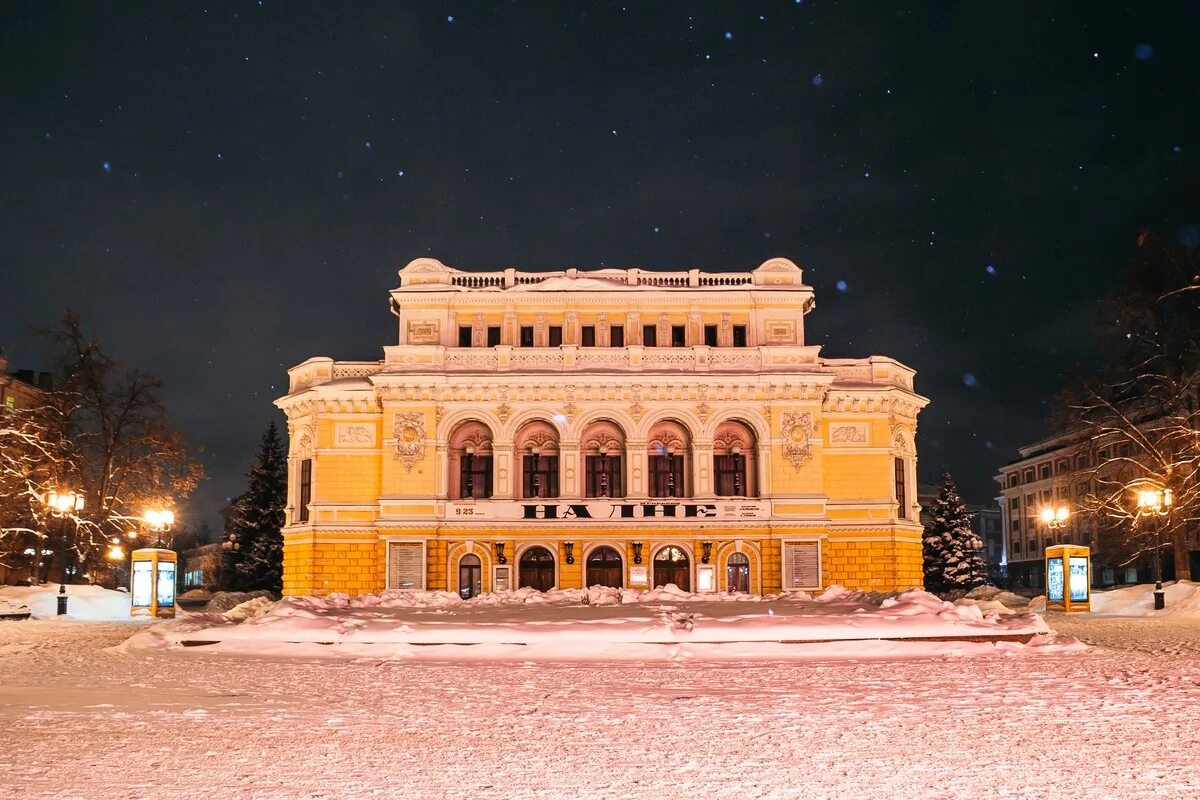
x=797, y=437
x=848, y=433
x=354, y=435
x=409, y=430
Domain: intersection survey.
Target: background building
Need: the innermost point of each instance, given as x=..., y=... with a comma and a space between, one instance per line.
x=20, y=389
x=617, y=427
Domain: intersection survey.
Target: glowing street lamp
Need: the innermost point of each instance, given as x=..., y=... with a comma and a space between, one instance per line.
x=1156, y=502
x=158, y=520
x=1055, y=518
x=64, y=504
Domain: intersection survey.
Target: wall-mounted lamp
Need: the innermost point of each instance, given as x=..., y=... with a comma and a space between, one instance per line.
x=637, y=552
x=569, y=550
x=500, y=553
x=706, y=556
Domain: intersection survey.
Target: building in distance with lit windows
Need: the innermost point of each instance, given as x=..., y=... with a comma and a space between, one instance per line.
x=620, y=427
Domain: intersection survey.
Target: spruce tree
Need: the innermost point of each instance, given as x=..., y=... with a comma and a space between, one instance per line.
x=253, y=557
x=953, y=552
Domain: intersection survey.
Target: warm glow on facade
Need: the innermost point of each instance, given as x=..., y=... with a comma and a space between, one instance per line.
x=617, y=427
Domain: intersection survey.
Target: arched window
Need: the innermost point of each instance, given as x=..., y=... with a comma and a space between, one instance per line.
x=903, y=472
x=537, y=444
x=603, y=448
x=733, y=460
x=668, y=454
x=737, y=573
x=536, y=569
x=605, y=568
x=671, y=565
x=470, y=576
x=471, y=461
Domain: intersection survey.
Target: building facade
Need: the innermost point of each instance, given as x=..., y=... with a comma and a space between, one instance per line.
x=617, y=427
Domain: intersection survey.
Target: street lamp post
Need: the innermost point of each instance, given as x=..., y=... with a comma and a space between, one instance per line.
x=1156, y=502
x=64, y=504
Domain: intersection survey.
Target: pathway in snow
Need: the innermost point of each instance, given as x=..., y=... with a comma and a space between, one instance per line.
x=78, y=720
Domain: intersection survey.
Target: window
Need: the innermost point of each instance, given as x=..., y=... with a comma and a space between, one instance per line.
x=730, y=471
x=650, y=335
x=666, y=475
x=1029, y=475
x=1016, y=545
x=526, y=336
x=540, y=476
x=739, y=336
x=475, y=475
x=464, y=335
x=1012, y=479
x=616, y=336
x=801, y=565
x=901, y=497
x=406, y=566
x=493, y=335
x=555, y=336
x=678, y=336
x=710, y=335
x=305, y=490
x=1062, y=468
x=604, y=476
x=1045, y=471
x=1014, y=504
x=588, y=336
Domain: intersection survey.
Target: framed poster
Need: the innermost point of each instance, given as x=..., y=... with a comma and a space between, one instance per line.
x=1054, y=579
x=1078, y=582
x=502, y=578
x=142, y=584
x=638, y=576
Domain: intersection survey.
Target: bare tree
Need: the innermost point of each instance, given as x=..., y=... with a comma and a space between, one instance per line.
x=34, y=456
x=126, y=456
x=1138, y=420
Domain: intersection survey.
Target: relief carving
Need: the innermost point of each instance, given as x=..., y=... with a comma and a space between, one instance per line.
x=849, y=433
x=409, y=431
x=797, y=437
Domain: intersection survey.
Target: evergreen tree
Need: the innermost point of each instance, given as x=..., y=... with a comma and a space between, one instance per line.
x=253, y=557
x=953, y=552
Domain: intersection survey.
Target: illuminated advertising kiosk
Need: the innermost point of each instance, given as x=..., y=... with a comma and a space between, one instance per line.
x=152, y=585
x=1068, y=578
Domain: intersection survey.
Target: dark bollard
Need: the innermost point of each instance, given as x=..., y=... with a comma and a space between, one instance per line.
x=62, y=600
x=1160, y=598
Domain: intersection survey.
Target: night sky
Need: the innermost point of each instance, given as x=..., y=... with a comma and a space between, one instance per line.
x=224, y=191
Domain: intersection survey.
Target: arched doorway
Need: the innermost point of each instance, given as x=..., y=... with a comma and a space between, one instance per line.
x=470, y=576
x=604, y=568
x=536, y=569
x=737, y=573
x=671, y=565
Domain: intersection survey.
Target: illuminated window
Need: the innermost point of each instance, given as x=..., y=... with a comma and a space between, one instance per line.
x=305, y=490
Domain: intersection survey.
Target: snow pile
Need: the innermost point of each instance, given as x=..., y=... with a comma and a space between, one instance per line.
x=11, y=609
x=599, y=622
x=1182, y=600
x=224, y=601
x=83, y=602
x=989, y=598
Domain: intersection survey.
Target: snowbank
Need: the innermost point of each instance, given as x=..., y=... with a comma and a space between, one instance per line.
x=83, y=602
x=1182, y=600
x=597, y=623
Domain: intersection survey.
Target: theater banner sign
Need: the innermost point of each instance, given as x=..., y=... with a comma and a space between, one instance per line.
x=659, y=510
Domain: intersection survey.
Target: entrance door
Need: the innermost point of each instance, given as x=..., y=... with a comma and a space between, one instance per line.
x=737, y=573
x=671, y=565
x=604, y=568
x=470, y=576
x=537, y=569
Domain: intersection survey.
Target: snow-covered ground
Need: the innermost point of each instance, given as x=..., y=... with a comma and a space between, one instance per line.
x=603, y=623
x=80, y=717
x=83, y=602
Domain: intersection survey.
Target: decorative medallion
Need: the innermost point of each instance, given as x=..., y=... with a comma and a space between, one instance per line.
x=703, y=411
x=637, y=411
x=409, y=431
x=504, y=411
x=570, y=410
x=797, y=437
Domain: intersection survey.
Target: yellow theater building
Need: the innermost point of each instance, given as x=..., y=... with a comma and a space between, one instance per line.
x=620, y=427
